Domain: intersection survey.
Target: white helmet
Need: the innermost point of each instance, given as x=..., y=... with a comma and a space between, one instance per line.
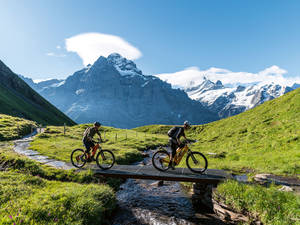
x=187, y=123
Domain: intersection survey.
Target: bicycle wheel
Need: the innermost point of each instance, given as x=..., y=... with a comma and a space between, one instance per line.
x=78, y=158
x=196, y=162
x=160, y=160
x=105, y=159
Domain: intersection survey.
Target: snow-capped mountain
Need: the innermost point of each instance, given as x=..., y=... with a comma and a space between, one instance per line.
x=242, y=90
x=231, y=101
x=114, y=91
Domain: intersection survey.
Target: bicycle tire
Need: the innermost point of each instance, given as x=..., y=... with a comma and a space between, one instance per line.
x=190, y=156
x=154, y=162
x=101, y=165
x=73, y=153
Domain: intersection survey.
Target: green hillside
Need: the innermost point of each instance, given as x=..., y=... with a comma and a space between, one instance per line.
x=18, y=99
x=14, y=127
x=263, y=139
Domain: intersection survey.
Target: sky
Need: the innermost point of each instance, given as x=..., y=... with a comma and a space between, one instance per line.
x=53, y=39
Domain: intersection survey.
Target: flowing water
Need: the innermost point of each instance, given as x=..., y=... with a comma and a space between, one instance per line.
x=157, y=203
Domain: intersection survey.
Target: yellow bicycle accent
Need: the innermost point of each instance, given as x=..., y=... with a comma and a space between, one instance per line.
x=180, y=152
x=195, y=161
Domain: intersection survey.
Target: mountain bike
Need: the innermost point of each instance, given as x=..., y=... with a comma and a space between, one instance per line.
x=195, y=161
x=105, y=159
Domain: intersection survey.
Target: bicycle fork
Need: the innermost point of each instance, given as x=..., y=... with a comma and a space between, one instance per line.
x=194, y=159
x=102, y=155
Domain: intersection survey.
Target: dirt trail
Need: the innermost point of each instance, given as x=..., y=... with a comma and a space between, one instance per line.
x=21, y=147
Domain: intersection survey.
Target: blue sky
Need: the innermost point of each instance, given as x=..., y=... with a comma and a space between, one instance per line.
x=169, y=35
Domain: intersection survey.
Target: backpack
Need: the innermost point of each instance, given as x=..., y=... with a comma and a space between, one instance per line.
x=172, y=132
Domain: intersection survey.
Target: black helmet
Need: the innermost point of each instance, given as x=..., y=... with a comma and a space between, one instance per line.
x=187, y=123
x=97, y=124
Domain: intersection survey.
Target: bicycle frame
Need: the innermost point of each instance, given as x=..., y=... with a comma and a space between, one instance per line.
x=180, y=152
x=95, y=148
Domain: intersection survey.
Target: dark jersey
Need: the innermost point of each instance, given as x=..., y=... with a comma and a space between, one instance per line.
x=176, y=132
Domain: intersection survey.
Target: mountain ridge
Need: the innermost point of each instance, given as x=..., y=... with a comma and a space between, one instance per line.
x=19, y=99
x=114, y=91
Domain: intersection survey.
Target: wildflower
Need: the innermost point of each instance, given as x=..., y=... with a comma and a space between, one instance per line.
x=10, y=216
x=49, y=214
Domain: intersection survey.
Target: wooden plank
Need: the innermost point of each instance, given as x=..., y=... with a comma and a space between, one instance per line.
x=148, y=172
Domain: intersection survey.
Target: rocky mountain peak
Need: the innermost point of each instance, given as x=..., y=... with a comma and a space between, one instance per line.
x=219, y=83
x=100, y=62
x=123, y=65
x=240, y=88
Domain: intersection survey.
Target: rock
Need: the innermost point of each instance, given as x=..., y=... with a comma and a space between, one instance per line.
x=286, y=189
x=262, y=178
x=217, y=155
x=227, y=214
x=278, y=180
x=158, y=183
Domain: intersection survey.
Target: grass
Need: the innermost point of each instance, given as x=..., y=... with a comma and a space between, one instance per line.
x=125, y=144
x=14, y=127
x=22, y=164
x=28, y=198
x=271, y=205
x=32, y=200
x=30, y=106
x=265, y=139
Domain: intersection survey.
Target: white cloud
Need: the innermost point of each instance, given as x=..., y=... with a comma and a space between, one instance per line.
x=193, y=76
x=55, y=55
x=58, y=47
x=90, y=46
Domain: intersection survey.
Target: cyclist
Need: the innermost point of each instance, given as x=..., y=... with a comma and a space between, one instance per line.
x=88, y=138
x=175, y=133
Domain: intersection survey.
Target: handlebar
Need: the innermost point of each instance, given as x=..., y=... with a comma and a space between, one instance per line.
x=97, y=142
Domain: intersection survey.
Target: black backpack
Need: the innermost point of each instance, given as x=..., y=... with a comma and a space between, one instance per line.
x=172, y=132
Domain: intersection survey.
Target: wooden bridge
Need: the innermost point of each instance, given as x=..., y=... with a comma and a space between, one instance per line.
x=210, y=176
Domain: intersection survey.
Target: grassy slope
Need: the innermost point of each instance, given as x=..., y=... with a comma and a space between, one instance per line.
x=263, y=139
x=18, y=99
x=272, y=206
x=32, y=200
x=14, y=127
x=55, y=144
x=28, y=197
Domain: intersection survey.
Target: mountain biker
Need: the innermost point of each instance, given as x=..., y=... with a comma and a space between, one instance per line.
x=88, y=138
x=175, y=133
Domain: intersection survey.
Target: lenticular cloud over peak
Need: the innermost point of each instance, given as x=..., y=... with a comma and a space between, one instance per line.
x=90, y=46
